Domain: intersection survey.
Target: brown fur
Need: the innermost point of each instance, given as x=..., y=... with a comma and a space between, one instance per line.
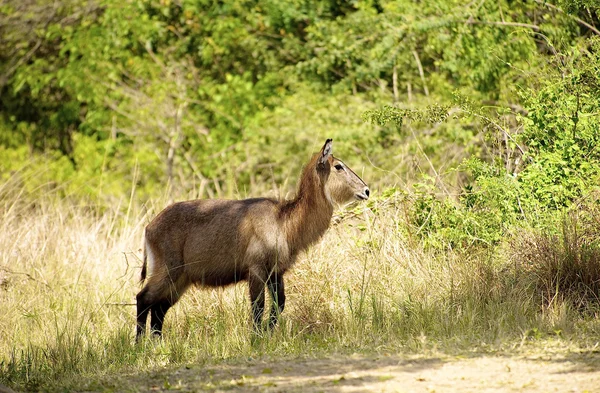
x=219, y=242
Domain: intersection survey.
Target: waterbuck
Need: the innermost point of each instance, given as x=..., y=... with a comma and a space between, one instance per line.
x=218, y=242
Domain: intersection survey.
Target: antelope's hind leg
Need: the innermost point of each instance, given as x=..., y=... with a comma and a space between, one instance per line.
x=157, y=297
x=143, y=308
x=157, y=316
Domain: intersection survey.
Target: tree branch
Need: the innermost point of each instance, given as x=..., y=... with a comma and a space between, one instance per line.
x=421, y=73
x=511, y=24
x=578, y=20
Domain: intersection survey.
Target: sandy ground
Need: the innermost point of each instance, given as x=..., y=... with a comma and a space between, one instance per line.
x=390, y=373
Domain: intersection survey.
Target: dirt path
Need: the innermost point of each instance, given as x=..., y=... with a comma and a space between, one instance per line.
x=479, y=373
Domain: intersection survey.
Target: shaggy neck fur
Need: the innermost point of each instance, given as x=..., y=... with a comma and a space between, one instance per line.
x=307, y=217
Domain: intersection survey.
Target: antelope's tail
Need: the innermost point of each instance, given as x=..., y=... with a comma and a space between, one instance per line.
x=144, y=265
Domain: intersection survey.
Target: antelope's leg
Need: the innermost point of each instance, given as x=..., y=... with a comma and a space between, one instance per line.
x=143, y=308
x=157, y=297
x=256, y=282
x=158, y=316
x=277, y=291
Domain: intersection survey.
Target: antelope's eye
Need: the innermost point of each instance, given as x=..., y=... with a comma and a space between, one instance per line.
x=339, y=167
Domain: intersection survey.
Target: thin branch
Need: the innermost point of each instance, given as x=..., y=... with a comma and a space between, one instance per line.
x=437, y=175
x=29, y=276
x=129, y=116
x=22, y=60
x=575, y=116
x=514, y=107
x=578, y=20
x=421, y=73
x=499, y=127
x=154, y=57
x=395, y=83
x=193, y=166
x=31, y=52
x=511, y=24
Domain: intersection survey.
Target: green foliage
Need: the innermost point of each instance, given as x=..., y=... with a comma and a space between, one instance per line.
x=193, y=88
x=480, y=216
x=574, y=6
x=534, y=159
x=432, y=114
x=561, y=131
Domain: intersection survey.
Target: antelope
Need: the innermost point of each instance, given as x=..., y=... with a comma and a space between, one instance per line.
x=215, y=242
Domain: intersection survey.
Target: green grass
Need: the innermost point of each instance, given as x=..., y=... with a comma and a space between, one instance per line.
x=69, y=276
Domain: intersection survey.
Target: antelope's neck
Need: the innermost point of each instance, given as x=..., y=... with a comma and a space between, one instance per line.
x=306, y=219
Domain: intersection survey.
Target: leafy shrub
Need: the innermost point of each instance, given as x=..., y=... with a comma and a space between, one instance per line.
x=561, y=132
x=487, y=206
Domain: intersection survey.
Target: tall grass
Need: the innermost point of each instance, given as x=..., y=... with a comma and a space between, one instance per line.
x=69, y=274
x=564, y=265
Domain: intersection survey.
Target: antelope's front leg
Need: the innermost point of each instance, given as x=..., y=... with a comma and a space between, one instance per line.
x=277, y=292
x=256, y=282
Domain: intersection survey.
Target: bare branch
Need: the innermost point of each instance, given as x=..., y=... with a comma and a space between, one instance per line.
x=395, y=83
x=511, y=24
x=421, y=73
x=500, y=128
x=578, y=20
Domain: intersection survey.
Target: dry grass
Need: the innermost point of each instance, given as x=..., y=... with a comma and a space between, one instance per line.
x=69, y=275
x=563, y=266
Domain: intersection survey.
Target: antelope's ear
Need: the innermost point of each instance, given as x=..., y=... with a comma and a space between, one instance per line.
x=325, y=152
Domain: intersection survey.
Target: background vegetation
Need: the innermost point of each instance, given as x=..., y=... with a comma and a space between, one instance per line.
x=476, y=124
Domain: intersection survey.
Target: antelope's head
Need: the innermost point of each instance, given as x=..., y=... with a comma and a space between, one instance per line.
x=342, y=185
